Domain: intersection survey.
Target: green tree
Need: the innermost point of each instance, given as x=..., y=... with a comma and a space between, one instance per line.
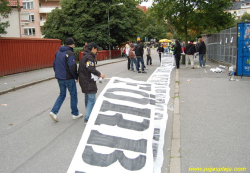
x=87, y=21
x=244, y=18
x=153, y=27
x=4, y=11
x=195, y=15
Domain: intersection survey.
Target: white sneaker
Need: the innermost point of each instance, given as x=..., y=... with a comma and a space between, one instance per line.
x=53, y=116
x=76, y=116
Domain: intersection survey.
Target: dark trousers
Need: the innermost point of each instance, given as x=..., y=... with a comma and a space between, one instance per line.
x=149, y=60
x=160, y=56
x=177, y=60
x=128, y=62
x=140, y=60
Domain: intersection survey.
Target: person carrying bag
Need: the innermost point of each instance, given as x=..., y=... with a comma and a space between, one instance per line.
x=132, y=57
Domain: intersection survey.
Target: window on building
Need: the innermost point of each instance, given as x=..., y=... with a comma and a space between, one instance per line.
x=242, y=12
x=32, y=18
x=29, y=31
x=40, y=4
x=28, y=5
x=41, y=17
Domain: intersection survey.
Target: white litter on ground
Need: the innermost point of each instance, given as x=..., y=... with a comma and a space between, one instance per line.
x=217, y=70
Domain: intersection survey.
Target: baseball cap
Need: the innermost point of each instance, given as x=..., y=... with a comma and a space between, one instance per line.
x=69, y=41
x=92, y=44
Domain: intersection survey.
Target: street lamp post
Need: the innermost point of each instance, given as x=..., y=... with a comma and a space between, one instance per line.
x=109, y=27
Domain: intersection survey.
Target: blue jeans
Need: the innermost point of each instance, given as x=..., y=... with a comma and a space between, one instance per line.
x=89, y=104
x=132, y=60
x=63, y=85
x=142, y=63
x=201, y=60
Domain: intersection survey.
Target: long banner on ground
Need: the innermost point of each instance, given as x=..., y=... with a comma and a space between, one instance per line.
x=161, y=80
x=118, y=137
x=126, y=129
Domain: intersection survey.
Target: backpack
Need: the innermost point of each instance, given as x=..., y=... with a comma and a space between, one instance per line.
x=131, y=54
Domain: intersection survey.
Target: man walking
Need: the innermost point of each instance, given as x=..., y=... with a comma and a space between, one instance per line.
x=139, y=55
x=201, y=48
x=160, y=50
x=189, y=51
x=149, y=59
x=177, y=53
x=88, y=76
x=66, y=74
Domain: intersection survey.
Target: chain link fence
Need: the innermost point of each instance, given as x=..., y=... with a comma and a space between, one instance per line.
x=223, y=46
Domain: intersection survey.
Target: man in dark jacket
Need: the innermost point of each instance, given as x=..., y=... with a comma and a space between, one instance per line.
x=160, y=50
x=189, y=51
x=66, y=74
x=88, y=76
x=139, y=55
x=177, y=53
x=201, y=48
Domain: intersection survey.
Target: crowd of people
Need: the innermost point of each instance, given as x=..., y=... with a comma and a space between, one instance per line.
x=190, y=51
x=67, y=74
x=134, y=54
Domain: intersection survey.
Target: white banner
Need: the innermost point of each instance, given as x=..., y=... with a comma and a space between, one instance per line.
x=161, y=79
x=119, y=135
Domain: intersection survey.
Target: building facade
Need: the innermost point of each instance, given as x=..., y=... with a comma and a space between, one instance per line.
x=37, y=11
x=14, y=20
x=239, y=8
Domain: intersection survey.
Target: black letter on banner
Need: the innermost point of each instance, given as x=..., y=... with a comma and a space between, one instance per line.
x=147, y=88
x=143, y=101
x=118, y=120
x=152, y=96
x=89, y=156
x=144, y=94
x=127, y=83
x=107, y=106
x=79, y=172
x=116, y=142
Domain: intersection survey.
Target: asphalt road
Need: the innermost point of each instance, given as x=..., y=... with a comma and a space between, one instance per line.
x=32, y=142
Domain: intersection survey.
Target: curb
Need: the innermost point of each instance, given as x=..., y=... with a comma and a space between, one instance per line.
x=175, y=160
x=25, y=85
x=43, y=80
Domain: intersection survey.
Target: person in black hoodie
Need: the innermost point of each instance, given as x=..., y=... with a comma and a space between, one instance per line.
x=88, y=76
x=160, y=50
x=139, y=55
x=177, y=53
x=66, y=74
x=201, y=48
x=189, y=51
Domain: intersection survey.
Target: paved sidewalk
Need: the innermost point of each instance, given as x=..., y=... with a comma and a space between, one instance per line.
x=214, y=117
x=20, y=80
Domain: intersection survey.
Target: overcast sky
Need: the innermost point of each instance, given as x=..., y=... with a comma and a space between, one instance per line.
x=148, y=4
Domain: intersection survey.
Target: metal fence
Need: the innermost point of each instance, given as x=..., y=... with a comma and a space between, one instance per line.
x=223, y=46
